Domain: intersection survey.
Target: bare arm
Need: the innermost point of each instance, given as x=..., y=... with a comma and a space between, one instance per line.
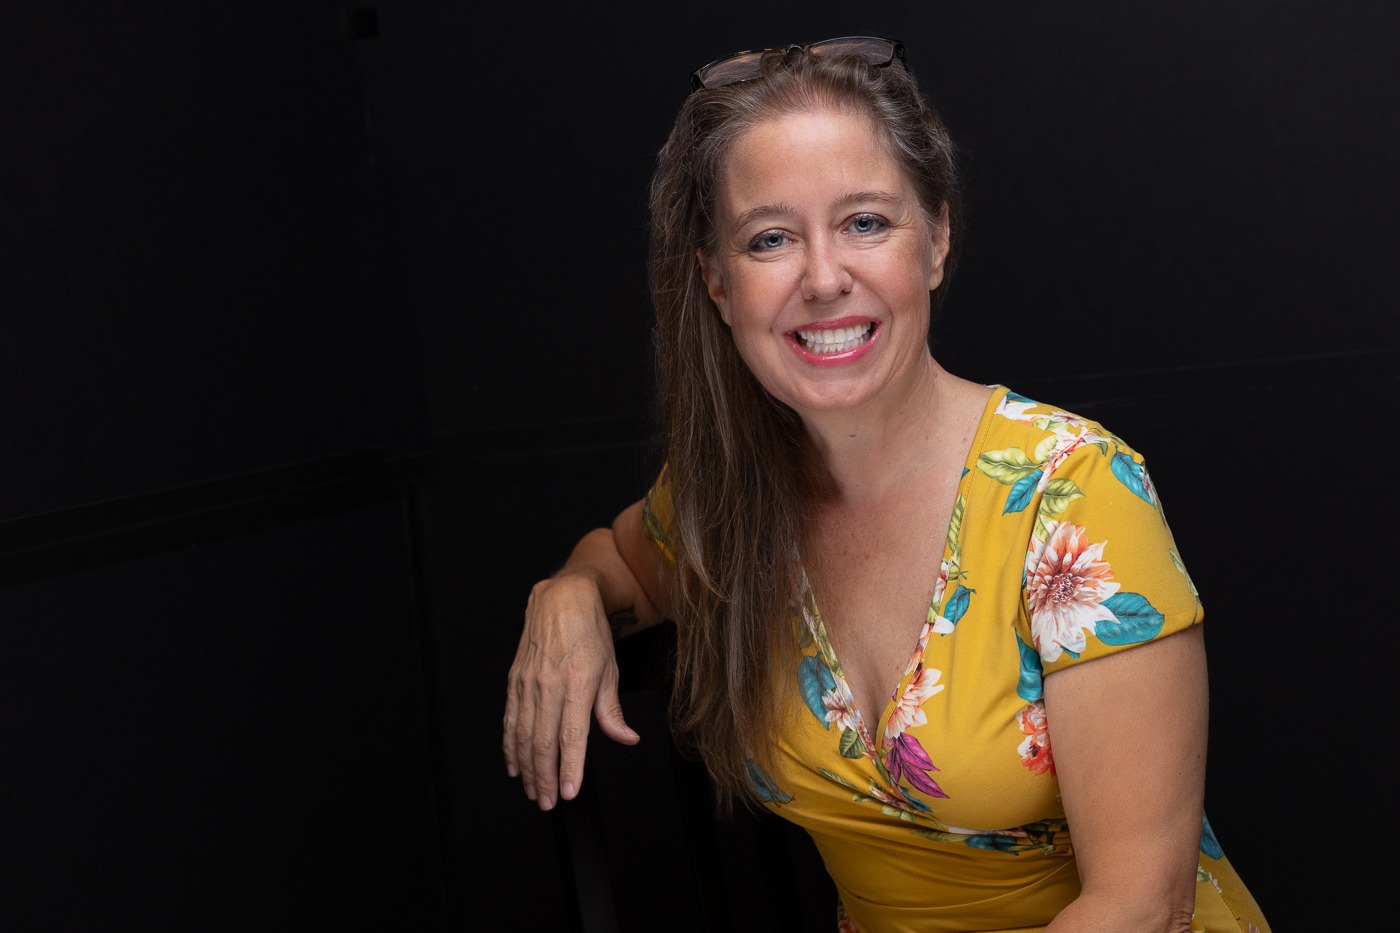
x=1128, y=732
x=565, y=667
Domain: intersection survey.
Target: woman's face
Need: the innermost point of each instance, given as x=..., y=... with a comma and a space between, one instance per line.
x=825, y=262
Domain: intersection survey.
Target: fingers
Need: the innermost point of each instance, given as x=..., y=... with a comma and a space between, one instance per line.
x=571, y=748
x=610, y=719
x=519, y=726
x=547, y=750
x=564, y=674
x=555, y=725
x=547, y=726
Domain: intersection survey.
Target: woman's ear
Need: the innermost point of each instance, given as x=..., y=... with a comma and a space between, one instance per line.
x=713, y=275
x=939, y=243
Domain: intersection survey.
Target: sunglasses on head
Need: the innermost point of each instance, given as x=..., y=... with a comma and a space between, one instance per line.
x=745, y=66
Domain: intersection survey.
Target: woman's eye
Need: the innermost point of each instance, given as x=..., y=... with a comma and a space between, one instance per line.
x=867, y=223
x=768, y=239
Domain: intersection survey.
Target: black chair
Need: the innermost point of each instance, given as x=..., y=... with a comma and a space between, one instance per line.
x=643, y=849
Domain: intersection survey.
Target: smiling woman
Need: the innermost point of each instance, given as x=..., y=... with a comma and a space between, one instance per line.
x=820, y=231
x=928, y=620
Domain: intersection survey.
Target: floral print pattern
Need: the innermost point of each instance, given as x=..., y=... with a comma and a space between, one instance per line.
x=960, y=760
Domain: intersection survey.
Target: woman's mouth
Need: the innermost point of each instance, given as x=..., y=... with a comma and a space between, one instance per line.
x=835, y=339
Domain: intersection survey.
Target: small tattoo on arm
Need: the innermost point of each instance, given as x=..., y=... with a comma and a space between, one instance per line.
x=623, y=622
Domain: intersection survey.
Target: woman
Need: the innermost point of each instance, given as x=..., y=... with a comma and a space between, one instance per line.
x=833, y=498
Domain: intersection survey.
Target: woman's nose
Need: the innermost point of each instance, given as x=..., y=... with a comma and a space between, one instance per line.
x=825, y=275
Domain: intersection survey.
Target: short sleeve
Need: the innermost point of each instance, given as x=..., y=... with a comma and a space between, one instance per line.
x=656, y=515
x=1102, y=571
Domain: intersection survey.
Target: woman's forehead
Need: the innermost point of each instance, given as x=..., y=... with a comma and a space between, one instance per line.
x=830, y=147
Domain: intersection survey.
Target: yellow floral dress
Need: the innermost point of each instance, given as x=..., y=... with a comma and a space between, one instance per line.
x=944, y=815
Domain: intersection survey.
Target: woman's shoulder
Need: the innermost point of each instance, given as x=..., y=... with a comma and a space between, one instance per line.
x=1012, y=415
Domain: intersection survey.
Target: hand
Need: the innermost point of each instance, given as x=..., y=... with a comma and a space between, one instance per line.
x=564, y=670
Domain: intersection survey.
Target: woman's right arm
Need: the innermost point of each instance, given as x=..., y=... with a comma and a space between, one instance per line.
x=565, y=668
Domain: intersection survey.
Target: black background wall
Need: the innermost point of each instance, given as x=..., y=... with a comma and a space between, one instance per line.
x=324, y=332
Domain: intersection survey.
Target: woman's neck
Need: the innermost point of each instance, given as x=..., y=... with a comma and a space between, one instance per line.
x=872, y=451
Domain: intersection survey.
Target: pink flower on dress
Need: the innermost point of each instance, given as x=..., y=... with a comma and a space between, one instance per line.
x=1035, y=748
x=1066, y=584
x=906, y=758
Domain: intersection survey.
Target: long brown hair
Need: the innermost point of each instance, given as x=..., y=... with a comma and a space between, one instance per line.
x=743, y=473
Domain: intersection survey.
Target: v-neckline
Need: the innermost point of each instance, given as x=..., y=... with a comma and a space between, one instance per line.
x=817, y=625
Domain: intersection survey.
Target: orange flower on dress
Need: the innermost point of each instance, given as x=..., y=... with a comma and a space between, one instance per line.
x=1035, y=748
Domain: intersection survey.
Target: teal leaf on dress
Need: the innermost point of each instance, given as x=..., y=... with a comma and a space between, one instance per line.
x=1209, y=845
x=998, y=843
x=913, y=804
x=1021, y=493
x=1130, y=474
x=764, y=786
x=1030, y=686
x=1137, y=620
x=814, y=679
x=957, y=604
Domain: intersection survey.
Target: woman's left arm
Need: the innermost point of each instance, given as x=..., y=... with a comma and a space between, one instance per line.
x=1128, y=735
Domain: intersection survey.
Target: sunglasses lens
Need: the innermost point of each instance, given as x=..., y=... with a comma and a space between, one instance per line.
x=740, y=67
x=867, y=48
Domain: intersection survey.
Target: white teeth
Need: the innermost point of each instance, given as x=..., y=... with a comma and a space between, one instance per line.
x=836, y=340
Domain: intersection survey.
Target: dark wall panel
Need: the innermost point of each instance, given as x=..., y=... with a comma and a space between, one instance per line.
x=229, y=735
x=194, y=253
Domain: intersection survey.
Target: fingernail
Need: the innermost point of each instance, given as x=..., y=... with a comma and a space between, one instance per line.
x=568, y=791
x=546, y=803
x=512, y=771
